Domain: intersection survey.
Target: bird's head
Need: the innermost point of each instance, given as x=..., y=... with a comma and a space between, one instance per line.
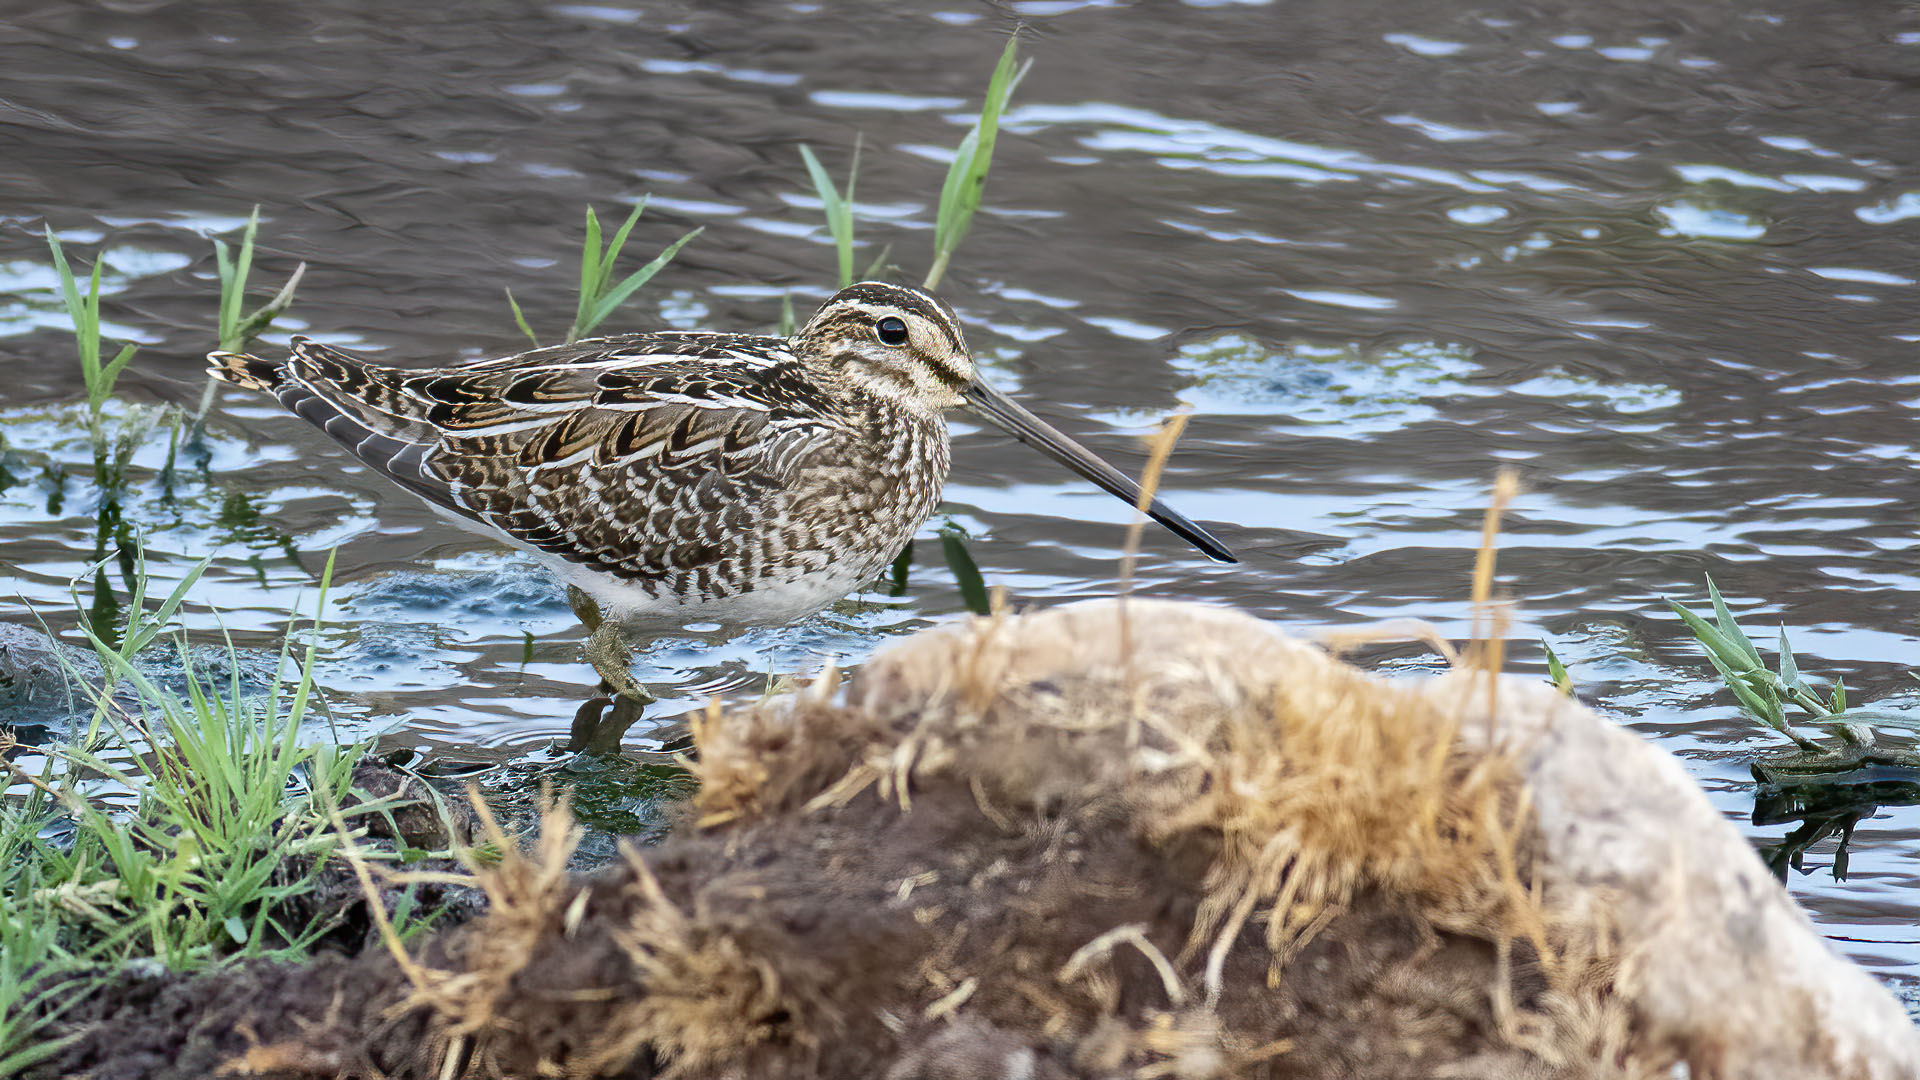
x=895, y=342
x=904, y=345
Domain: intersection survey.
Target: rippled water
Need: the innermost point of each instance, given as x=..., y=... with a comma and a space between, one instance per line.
x=1658, y=257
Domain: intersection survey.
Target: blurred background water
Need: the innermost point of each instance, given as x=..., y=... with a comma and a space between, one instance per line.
x=1658, y=256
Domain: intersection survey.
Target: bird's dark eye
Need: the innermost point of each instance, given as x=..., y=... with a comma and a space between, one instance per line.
x=892, y=331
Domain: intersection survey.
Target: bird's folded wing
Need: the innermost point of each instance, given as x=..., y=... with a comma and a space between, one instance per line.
x=640, y=461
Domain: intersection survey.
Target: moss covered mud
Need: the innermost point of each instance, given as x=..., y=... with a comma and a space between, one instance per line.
x=1142, y=840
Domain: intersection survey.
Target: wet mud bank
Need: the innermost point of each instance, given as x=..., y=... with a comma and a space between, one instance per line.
x=1100, y=841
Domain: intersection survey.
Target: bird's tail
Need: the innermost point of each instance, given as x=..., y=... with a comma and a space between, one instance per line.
x=251, y=372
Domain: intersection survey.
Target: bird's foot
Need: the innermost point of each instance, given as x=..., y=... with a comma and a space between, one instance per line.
x=602, y=721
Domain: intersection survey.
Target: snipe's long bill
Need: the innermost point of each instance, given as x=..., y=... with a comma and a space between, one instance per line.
x=1037, y=433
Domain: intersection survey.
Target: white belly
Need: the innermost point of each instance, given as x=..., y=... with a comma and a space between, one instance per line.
x=770, y=603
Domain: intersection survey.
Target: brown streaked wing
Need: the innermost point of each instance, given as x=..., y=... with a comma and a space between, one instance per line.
x=600, y=452
x=645, y=494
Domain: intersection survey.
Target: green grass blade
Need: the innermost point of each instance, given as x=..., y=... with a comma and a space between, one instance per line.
x=618, y=294
x=966, y=572
x=966, y=182
x=1731, y=628
x=620, y=240
x=223, y=269
x=951, y=189
x=223, y=266
x=38, y=1051
x=233, y=289
x=97, y=386
x=1723, y=652
x=786, y=315
x=1749, y=697
x=1557, y=672
x=256, y=324
x=117, y=365
x=589, y=276
x=877, y=268
x=520, y=320
x=1789, y=671
x=70, y=291
x=838, y=210
x=143, y=628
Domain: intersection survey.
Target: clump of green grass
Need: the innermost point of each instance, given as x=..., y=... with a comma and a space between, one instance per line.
x=960, y=194
x=209, y=860
x=600, y=294
x=1766, y=694
x=112, y=452
x=84, y=312
x=1762, y=692
x=238, y=331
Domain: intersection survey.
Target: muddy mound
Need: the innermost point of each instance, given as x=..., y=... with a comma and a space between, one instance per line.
x=1104, y=841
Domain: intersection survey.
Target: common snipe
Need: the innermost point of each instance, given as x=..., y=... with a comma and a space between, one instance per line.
x=680, y=477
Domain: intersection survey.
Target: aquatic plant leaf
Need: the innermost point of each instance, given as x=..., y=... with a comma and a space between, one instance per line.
x=619, y=240
x=1731, y=628
x=118, y=364
x=877, y=268
x=223, y=267
x=838, y=208
x=520, y=320
x=233, y=278
x=589, y=276
x=256, y=324
x=966, y=572
x=70, y=292
x=1789, y=671
x=618, y=294
x=1557, y=672
x=966, y=183
x=1726, y=655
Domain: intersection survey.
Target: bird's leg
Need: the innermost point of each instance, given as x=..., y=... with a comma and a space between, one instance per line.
x=598, y=730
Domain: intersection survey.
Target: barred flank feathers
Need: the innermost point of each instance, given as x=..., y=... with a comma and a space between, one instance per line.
x=251, y=372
